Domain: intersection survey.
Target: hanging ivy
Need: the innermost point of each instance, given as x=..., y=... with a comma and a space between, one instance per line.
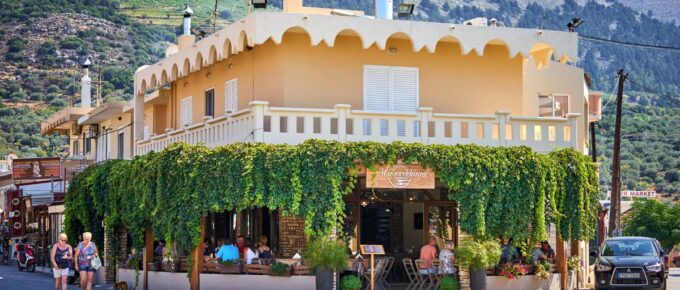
x=501, y=191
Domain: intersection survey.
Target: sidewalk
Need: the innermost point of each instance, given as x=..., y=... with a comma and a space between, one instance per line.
x=48, y=271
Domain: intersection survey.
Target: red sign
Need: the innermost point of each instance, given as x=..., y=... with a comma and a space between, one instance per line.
x=633, y=193
x=36, y=168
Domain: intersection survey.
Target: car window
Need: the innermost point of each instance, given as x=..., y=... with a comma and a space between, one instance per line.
x=629, y=248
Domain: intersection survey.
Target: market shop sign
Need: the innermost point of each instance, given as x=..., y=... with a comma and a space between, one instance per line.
x=413, y=176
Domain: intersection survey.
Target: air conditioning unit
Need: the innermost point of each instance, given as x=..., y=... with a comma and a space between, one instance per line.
x=479, y=21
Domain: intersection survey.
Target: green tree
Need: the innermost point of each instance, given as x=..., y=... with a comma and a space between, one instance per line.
x=652, y=218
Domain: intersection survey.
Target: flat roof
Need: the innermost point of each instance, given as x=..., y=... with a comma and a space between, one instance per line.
x=101, y=113
x=62, y=120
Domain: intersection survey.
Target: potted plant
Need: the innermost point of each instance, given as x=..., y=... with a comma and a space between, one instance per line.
x=449, y=283
x=542, y=270
x=477, y=256
x=350, y=282
x=326, y=256
x=279, y=269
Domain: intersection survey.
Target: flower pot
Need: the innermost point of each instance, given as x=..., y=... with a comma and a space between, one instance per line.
x=478, y=279
x=324, y=279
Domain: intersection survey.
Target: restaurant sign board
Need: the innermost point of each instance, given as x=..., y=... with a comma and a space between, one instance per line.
x=399, y=175
x=36, y=168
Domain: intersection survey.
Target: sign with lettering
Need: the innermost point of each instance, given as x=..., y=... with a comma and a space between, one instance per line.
x=36, y=168
x=636, y=193
x=372, y=249
x=400, y=176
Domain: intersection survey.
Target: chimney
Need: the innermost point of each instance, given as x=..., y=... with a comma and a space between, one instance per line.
x=186, y=39
x=383, y=9
x=86, y=86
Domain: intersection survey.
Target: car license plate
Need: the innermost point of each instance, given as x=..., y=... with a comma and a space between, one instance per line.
x=629, y=275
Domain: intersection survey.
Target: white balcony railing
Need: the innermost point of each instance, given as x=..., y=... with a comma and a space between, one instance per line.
x=261, y=123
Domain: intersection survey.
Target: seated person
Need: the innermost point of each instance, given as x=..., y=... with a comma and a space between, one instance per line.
x=251, y=253
x=227, y=252
x=509, y=253
x=447, y=258
x=428, y=253
x=548, y=252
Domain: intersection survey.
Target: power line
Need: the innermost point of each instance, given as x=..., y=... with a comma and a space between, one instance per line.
x=670, y=48
x=649, y=90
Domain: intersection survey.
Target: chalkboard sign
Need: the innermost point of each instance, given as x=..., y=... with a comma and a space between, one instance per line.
x=372, y=249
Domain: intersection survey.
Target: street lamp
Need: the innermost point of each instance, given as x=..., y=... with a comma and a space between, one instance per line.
x=576, y=22
x=405, y=10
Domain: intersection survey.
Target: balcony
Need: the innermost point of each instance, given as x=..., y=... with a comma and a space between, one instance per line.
x=261, y=123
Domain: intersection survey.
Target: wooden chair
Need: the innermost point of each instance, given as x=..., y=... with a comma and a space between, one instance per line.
x=257, y=269
x=411, y=273
x=121, y=285
x=437, y=276
x=377, y=272
x=386, y=271
x=427, y=279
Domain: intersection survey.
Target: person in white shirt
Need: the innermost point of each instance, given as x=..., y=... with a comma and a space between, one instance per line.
x=251, y=253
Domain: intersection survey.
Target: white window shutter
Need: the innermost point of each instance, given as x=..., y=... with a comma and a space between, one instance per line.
x=186, y=114
x=376, y=88
x=231, y=96
x=146, y=132
x=404, y=89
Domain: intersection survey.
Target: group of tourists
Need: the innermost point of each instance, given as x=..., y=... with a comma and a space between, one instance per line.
x=447, y=258
x=243, y=250
x=86, y=261
x=511, y=254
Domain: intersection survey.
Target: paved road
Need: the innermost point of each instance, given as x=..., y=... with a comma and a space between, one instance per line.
x=12, y=279
x=674, y=279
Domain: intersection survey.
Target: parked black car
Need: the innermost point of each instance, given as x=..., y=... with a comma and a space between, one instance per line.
x=630, y=263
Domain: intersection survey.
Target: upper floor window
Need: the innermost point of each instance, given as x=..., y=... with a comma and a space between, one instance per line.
x=121, y=144
x=88, y=145
x=186, y=113
x=391, y=88
x=553, y=105
x=76, y=148
x=210, y=103
x=231, y=96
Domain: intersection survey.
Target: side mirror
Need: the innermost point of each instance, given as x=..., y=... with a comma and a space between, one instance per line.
x=662, y=253
x=593, y=254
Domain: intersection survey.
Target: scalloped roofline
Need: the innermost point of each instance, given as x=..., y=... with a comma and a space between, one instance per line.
x=257, y=28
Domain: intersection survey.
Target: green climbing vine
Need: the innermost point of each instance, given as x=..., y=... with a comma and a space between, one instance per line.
x=501, y=191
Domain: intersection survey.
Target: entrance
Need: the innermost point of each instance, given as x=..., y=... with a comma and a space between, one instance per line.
x=401, y=220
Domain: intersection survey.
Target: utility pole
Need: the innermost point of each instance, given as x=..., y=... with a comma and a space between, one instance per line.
x=593, y=149
x=615, y=208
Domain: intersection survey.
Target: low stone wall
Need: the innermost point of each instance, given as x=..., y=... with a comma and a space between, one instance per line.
x=180, y=281
x=526, y=282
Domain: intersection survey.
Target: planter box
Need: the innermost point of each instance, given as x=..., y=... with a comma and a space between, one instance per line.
x=287, y=273
x=229, y=269
x=154, y=266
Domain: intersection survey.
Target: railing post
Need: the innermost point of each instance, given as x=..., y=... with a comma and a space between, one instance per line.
x=342, y=111
x=573, y=123
x=502, y=121
x=257, y=108
x=425, y=115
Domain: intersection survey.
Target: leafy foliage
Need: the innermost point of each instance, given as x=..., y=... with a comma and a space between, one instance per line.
x=652, y=218
x=310, y=179
x=476, y=254
x=449, y=283
x=351, y=282
x=327, y=253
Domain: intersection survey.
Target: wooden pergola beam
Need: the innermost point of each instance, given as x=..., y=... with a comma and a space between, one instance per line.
x=148, y=255
x=195, y=277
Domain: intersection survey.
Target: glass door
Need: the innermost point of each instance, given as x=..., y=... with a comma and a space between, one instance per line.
x=440, y=220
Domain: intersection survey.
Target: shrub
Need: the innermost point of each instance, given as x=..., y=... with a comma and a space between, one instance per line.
x=351, y=282
x=327, y=253
x=477, y=255
x=449, y=283
x=71, y=43
x=279, y=269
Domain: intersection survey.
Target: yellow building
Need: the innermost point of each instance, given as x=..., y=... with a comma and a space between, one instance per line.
x=312, y=73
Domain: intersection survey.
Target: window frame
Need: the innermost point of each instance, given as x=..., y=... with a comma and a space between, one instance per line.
x=212, y=103
x=552, y=97
x=121, y=144
x=390, y=87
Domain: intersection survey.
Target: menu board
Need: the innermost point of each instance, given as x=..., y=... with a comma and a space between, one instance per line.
x=36, y=168
x=372, y=249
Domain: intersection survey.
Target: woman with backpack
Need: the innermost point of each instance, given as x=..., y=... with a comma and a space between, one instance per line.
x=87, y=261
x=61, y=257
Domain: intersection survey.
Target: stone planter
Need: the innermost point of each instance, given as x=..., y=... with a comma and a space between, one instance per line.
x=324, y=279
x=478, y=279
